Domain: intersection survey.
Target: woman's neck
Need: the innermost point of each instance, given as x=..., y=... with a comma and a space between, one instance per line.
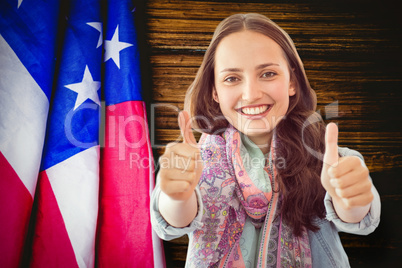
x=263, y=142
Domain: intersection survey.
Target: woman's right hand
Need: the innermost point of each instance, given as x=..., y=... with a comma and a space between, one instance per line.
x=181, y=164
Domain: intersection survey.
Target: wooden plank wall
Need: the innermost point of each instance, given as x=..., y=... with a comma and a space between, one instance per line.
x=351, y=52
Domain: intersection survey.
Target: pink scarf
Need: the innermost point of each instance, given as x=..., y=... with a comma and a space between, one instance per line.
x=229, y=196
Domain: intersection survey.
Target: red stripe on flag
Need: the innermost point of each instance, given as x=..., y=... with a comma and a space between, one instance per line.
x=125, y=233
x=15, y=210
x=51, y=246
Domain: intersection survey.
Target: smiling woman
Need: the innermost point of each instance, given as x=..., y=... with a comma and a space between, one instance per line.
x=337, y=45
x=261, y=216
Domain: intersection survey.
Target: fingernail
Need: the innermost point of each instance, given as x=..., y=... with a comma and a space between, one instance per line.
x=337, y=191
x=346, y=202
x=331, y=171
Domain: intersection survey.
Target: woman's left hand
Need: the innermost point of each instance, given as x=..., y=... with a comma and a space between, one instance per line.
x=346, y=179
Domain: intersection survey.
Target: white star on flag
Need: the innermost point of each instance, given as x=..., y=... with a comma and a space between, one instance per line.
x=113, y=48
x=97, y=26
x=87, y=89
x=19, y=3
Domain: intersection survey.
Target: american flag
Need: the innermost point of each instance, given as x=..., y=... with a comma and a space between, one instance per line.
x=127, y=177
x=72, y=167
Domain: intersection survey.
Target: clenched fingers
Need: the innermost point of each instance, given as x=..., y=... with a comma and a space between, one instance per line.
x=174, y=161
x=183, y=149
x=360, y=188
x=358, y=200
x=345, y=165
x=351, y=182
x=175, y=186
x=353, y=177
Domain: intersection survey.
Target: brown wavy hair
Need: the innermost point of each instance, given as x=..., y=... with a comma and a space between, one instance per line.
x=300, y=135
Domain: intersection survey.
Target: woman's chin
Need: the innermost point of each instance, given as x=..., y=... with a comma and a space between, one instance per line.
x=258, y=133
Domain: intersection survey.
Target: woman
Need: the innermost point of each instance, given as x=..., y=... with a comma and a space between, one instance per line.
x=270, y=191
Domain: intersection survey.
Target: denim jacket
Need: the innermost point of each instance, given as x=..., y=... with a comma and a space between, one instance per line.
x=325, y=244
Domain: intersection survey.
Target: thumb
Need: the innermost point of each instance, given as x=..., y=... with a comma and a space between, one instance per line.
x=331, y=156
x=185, y=128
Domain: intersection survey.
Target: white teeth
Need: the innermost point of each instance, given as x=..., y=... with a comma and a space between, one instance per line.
x=255, y=110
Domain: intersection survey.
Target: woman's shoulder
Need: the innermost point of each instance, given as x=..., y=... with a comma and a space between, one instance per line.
x=211, y=146
x=345, y=151
x=216, y=141
x=210, y=140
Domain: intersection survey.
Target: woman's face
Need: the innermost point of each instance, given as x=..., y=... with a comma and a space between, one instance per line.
x=252, y=84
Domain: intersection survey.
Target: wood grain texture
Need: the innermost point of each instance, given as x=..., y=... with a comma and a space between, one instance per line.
x=351, y=53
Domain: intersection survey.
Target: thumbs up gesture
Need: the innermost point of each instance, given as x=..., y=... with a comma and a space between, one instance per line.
x=181, y=164
x=346, y=179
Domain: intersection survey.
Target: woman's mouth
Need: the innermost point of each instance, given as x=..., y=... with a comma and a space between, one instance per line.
x=255, y=110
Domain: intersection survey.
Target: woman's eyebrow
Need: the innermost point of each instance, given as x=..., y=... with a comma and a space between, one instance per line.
x=259, y=67
x=231, y=70
x=264, y=65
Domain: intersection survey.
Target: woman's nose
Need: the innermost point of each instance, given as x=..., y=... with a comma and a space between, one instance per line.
x=251, y=91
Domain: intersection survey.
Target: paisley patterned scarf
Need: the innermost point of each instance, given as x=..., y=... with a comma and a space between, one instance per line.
x=229, y=197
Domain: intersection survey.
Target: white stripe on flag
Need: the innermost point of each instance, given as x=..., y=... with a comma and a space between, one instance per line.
x=75, y=183
x=23, y=118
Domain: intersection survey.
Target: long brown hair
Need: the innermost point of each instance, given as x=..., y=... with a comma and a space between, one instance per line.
x=299, y=134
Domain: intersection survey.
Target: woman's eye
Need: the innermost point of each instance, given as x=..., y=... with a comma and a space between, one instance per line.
x=231, y=79
x=268, y=74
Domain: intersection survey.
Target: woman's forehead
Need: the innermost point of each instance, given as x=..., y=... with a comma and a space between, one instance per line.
x=247, y=48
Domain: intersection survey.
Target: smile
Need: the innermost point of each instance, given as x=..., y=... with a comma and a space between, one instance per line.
x=255, y=110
